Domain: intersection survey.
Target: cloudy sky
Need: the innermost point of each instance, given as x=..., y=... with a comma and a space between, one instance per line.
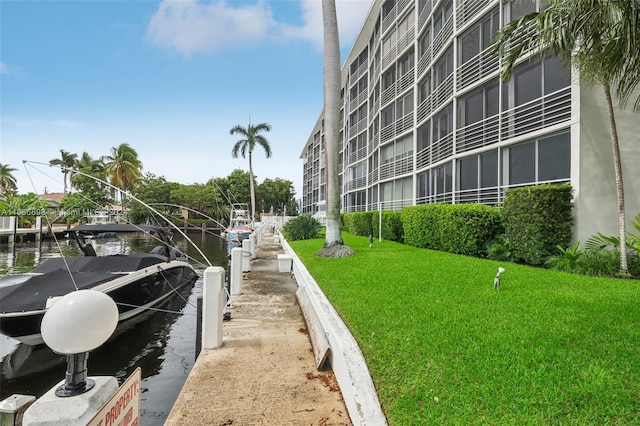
x=170, y=78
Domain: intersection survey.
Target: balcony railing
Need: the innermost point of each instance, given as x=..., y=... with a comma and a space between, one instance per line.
x=424, y=109
x=357, y=183
x=476, y=68
x=551, y=109
x=357, y=155
x=399, y=126
x=489, y=196
x=443, y=92
x=442, y=148
x=440, y=40
x=467, y=10
x=479, y=134
x=397, y=167
x=424, y=15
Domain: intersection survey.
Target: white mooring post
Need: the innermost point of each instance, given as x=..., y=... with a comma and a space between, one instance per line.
x=213, y=305
x=236, y=271
x=253, y=244
x=246, y=255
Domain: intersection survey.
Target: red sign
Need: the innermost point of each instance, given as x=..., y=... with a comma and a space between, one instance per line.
x=123, y=408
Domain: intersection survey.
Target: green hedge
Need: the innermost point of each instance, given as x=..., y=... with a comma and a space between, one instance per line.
x=358, y=223
x=391, y=226
x=536, y=220
x=455, y=228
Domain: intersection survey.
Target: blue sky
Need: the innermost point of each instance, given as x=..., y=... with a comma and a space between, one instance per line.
x=170, y=78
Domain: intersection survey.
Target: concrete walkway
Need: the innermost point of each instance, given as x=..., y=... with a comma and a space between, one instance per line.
x=264, y=373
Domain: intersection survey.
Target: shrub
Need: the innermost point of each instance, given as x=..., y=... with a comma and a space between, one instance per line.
x=303, y=227
x=499, y=249
x=358, y=223
x=391, y=225
x=566, y=259
x=456, y=228
x=466, y=228
x=537, y=219
x=420, y=226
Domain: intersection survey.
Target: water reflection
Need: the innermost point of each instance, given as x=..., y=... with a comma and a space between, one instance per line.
x=161, y=343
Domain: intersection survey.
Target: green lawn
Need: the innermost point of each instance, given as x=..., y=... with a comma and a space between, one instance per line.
x=444, y=348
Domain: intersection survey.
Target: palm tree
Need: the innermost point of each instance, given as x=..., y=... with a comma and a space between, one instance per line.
x=601, y=39
x=251, y=137
x=67, y=161
x=123, y=167
x=8, y=184
x=333, y=244
x=91, y=180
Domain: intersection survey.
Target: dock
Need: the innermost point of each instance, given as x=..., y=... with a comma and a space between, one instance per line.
x=264, y=372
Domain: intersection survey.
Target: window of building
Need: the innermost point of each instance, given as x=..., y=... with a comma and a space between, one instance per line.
x=423, y=188
x=554, y=157
x=441, y=15
x=407, y=23
x=444, y=66
x=478, y=171
x=468, y=173
x=521, y=8
x=387, y=7
x=404, y=105
x=532, y=80
x=388, y=78
x=489, y=169
x=389, y=42
x=527, y=83
x=388, y=115
x=479, y=104
x=425, y=42
x=406, y=64
x=424, y=136
x=479, y=36
x=443, y=123
x=404, y=147
x=522, y=163
x=540, y=160
x=387, y=153
x=424, y=88
x=443, y=180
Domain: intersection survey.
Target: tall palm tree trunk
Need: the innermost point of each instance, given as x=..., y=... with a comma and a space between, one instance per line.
x=617, y=166
x=252, y=191
x=332, y=119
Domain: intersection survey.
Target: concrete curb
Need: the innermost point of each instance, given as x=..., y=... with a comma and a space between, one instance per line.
x=349, y=365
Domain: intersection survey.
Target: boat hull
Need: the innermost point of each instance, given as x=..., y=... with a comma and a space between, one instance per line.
x=134, y=293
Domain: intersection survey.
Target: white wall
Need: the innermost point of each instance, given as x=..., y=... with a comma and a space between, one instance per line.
x=596, y=202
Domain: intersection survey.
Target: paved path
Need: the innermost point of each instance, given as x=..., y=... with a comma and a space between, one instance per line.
x=264, y=373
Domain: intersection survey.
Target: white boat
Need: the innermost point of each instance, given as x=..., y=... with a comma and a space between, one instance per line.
x=135, y=281
x=240, y=224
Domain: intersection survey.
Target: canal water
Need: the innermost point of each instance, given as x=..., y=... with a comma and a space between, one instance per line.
x=162, y=345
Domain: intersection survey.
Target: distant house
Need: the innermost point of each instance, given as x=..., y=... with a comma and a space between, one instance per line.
x=53, y=198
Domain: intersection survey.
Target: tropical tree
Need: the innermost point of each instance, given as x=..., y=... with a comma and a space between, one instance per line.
x=277, y=195
x=90, y=180
x=245, y=146
x=66, y=162
x=8, y=184
x=333, y=244
x=123, y=167
x=601, y=39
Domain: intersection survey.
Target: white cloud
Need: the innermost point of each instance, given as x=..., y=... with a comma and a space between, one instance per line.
x=40, y=123
x=193, y=26
x=350, y=14
x=10, y=70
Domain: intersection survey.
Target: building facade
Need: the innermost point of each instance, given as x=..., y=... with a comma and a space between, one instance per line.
x=427, y=119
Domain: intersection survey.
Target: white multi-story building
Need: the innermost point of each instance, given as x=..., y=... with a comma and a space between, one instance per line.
x=427, y=119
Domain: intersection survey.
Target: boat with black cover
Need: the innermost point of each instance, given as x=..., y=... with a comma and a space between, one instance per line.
x=135, y=281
